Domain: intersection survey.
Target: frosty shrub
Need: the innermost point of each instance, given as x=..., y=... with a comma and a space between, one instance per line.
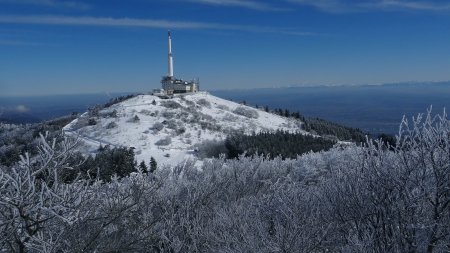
x=204, y=102
x=180, y=130
x=154, y=114
x=36, y=206
x=80, y=123
x=207, y=117
x=146, y=112
x=157, y=127
x=183, y=115
x=246, y=112
x=171, y=124
x=111, y=125
x=108, y=113
x=170, y=104
x=189, y=103
x=164, y=142
x=230, y=117
x=168, y=114
x=406, y=185
x=209, y=125
x=223, y=107
x=134, y=119
x=94, y=111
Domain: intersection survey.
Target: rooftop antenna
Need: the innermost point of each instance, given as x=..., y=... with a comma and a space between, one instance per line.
x=170, y=71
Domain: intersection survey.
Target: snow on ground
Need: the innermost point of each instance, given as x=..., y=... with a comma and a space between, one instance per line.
x=170, y=129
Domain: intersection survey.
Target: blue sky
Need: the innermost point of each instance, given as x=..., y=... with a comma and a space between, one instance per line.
x=81, y=46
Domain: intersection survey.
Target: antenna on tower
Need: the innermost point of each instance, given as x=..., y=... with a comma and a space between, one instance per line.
x=170, y=67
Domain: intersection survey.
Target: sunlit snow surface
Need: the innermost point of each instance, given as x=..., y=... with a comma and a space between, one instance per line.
x=210, y=120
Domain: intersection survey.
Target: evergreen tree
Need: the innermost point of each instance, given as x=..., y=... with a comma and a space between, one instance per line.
x=153, y=164
x=143, y=166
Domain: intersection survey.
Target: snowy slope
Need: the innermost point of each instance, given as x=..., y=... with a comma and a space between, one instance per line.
x=147, y=122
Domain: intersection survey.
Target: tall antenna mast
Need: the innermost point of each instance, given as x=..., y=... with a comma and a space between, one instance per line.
x=170, y=74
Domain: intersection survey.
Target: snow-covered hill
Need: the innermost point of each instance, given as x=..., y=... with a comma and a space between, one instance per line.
x=170, y=129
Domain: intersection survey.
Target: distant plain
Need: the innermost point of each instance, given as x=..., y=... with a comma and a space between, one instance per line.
x=372, y=108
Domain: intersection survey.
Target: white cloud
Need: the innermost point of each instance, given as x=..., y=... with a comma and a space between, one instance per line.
x=51, y=3
x=20, y=43
x=410, y=5
x=370, y=5
x=254, y=5
x=21, y=108
x=147, y=23
x=325, y=5
x=17, y=109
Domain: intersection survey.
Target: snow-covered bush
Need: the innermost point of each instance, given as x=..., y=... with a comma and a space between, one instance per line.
x=172, y=124
x=246, y=112
x=164, y=142
x=180, y=130
x=111, y=125
x=134, y=119
x=189, y=103
x=230, y=117
x=158, y=126
x=168, y=114
x=223, y=107
x=170, y=104
x=146, y=112
x=36, y=206
x=204, y=102
x=184, y=115
x=108, y=113
x=80, y=122
x=94, y=111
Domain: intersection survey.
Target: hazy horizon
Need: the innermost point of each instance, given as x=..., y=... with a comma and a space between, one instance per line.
x=373, y=108
x=149, y=90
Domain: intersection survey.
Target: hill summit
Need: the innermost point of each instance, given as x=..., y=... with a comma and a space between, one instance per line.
x=171, y=130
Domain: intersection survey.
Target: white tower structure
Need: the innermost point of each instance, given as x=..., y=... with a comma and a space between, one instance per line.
x=170, y=72
x=170, y=84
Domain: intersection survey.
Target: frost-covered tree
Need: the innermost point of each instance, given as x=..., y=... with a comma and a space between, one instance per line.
x=35, y=204
x=395, y=201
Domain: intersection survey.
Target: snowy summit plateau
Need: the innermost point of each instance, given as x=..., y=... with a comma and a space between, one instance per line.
x=171, y=130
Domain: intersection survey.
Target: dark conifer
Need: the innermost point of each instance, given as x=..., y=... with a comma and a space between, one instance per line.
x=153, y=164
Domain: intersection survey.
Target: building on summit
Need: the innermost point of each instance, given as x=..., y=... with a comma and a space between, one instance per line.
x=172, y=85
